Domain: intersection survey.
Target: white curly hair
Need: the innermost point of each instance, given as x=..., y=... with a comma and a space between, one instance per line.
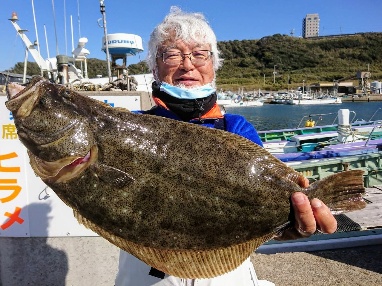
x=188, y=27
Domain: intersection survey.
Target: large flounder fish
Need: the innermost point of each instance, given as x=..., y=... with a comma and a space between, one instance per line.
x=188, y=200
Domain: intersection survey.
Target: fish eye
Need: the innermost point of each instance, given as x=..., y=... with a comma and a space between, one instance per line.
x=42, y=101
x=66, y=94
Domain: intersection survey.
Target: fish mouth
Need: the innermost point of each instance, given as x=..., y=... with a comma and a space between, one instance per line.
x=22, y=99
x=65, y=169
x=13, y=90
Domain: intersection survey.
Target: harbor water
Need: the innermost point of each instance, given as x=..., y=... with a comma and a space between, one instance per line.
x=280, y=116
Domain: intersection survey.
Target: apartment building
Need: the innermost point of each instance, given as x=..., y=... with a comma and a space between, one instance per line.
x=311, y=26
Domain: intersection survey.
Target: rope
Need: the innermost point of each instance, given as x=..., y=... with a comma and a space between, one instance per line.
x=345, y=131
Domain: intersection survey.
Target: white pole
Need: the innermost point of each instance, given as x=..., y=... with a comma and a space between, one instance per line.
x=55, y=27
x=66, y=37
x=35, y=28
x=46, y=41
x=71, y=29
x=78, y=19
x=25, y=66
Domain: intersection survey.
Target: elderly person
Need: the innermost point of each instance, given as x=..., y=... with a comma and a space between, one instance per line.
x=183, y=57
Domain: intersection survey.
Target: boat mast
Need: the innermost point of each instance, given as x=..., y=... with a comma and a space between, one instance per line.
x=65, y=32
x=78, y=19
x=46, y=42
x=71, y=31
x=55, y=27
x=37, y=39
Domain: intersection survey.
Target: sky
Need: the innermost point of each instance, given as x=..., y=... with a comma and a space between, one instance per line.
x=231, y=20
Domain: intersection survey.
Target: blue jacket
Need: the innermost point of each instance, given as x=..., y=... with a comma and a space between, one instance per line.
x=233, y=123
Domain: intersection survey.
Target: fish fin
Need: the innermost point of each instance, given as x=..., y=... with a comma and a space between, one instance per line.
x=97, y=229
x=114, y=176
x=279, y=231
x=341, y=192
x=262, y=156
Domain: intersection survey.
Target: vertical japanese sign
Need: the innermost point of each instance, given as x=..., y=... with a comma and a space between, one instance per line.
x=14, y=220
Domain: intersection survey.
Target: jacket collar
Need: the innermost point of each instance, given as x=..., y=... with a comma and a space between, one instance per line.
x=213, y=113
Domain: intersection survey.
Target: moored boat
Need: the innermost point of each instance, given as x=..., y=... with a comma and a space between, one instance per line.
x=352, y=130
x=239, y=103
x=320, y=151
x=327, y=100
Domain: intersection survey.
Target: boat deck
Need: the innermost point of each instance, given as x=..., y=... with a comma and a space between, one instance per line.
x=285, y=134
x=332, y=151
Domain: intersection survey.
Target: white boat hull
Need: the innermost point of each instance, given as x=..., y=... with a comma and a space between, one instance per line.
x=314, y=101
x=232, y=103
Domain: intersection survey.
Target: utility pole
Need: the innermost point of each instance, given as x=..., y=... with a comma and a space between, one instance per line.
x=303, y=87
x=102, y=7
x=274, y=74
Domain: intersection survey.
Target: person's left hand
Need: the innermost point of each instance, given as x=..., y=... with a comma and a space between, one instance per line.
x=309, y=216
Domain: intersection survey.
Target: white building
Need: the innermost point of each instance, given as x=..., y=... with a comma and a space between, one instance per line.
x=311, y=26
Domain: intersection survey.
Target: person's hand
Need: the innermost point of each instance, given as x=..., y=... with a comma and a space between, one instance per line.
x=309, y=216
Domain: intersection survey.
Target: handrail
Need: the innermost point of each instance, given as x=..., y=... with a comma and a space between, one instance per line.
x=368, y=139
x=355, y=114
x=374, y=113
x=322, y=114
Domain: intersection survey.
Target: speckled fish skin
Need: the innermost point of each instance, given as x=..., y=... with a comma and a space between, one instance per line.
x=159, y=182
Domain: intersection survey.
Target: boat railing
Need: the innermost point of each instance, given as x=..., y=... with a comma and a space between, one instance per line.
x=320, y=115
x=310, y=116
x=374, y=113
x=371, y=132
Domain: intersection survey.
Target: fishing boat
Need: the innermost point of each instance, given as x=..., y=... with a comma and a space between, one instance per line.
x=324, y=150
x=312, y=136
x=311, y=101
x=230, y=99
x=281, y=97
x=239, y=103
x=315, y=165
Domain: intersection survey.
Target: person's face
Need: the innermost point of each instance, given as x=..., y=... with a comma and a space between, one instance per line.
x=186, y=74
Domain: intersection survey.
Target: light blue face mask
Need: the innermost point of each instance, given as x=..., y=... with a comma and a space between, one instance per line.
x=187, y=93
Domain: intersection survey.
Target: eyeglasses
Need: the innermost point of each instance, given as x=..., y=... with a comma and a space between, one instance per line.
x=197, y=58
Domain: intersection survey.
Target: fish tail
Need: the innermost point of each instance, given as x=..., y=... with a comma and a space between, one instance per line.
x=341, y=192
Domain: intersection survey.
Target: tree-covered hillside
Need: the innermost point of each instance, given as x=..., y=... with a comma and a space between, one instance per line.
x=250, y=63
x=280, y=61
